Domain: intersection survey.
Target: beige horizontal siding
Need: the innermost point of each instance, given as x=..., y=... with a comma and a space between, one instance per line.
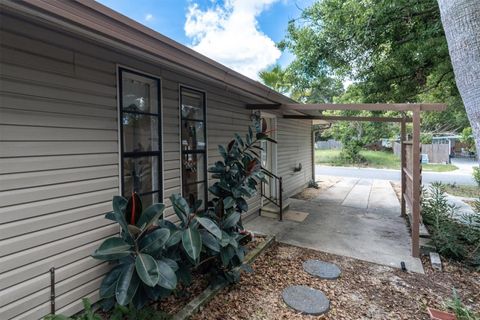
x=58, y=169
x=59, y=158
x=294, y=148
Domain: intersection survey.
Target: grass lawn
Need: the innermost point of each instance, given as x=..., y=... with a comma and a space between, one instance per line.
x=462, y=190
x=374, y=159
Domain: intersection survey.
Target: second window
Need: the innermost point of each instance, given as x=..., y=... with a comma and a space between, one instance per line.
x=194, y=145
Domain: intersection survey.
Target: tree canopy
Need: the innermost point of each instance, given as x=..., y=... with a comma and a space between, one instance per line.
x=391, y=51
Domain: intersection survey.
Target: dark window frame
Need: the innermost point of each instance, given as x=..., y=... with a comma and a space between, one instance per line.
x=203, y=181
x=157, y=153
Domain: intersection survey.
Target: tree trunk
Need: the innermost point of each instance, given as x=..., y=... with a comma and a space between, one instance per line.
x=461, y=22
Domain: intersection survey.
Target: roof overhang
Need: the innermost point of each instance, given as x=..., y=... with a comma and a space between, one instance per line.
x=98, y=23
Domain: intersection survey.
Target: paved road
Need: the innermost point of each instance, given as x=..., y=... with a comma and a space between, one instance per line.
x=387, y=174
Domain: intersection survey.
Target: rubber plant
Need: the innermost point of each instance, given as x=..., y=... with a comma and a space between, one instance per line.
x=237, y=179
x=191, y=238
x=142, y=271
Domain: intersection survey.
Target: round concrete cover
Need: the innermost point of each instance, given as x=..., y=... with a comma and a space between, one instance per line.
x=306, y=300
x=321, y=269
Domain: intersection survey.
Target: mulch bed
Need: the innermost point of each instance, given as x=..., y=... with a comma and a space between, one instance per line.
x=174, y=303
x=364, y=290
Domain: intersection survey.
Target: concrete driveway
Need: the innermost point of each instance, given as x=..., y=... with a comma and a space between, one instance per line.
x=462, y=177
x=358, y=218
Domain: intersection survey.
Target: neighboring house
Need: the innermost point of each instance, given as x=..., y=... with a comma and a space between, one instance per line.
x=456, y=146
x=94, y=105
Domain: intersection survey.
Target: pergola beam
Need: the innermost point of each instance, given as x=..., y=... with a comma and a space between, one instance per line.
x=348, y=118
x=263, y=106
x=366, y=106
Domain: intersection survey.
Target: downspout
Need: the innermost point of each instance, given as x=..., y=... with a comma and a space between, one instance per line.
x=313, y=152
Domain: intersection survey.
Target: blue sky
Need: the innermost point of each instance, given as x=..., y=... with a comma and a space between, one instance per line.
x=238, y=33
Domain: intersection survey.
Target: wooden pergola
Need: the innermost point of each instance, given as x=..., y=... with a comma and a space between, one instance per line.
x=411, y=169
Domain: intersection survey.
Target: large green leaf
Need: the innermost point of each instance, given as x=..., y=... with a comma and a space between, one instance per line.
x=109, y=282
x=228, y=202
x=192, y=242
x=225, y=239
x=210, y=241
x=210, y=226
x=119, y=205
x=147, y=269
x=226, y=254
x=242, y=204
x=167, y=277
x=112, y=249
x=151, y=215
x=222, y=151
x=154, y=241
x=175, y=238
x=231, y=220
x=171, y=263
x=181, y=207
x=127, y=285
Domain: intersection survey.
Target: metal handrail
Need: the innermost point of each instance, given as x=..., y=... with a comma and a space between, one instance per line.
x=279, y=192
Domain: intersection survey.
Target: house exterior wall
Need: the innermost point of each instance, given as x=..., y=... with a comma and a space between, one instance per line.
x=59, y=158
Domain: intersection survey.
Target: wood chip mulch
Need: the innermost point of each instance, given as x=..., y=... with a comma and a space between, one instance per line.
x=175, y=302
x=363, y=291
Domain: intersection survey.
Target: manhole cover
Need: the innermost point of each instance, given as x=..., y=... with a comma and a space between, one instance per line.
x=321, y=269
x=306, y=300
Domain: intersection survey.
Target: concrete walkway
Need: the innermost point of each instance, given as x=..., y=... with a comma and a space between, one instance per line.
x=358, y=218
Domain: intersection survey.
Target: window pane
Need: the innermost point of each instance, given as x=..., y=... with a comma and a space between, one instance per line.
x=139, y=93
x=140, y=175
x=140, y=132
x=193, y=137
x=149, y=199
x=194, y=192
x=192, y=105
x=193, y=167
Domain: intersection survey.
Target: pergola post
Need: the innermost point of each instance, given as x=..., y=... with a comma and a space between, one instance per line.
x=403, y=161
x=416, y=183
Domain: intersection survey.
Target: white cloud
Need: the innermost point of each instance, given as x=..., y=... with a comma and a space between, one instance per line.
x=148, y=17
x=230, y=35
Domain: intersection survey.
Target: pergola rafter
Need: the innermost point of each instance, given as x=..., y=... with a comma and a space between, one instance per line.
x=411, y=171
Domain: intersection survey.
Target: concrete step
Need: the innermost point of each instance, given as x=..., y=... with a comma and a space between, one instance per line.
x=272, y=211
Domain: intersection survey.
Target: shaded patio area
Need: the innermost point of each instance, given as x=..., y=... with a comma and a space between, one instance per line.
x=358, y=218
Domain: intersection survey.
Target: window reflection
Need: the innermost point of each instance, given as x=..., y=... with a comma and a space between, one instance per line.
x=193, y=131
x=140, y=127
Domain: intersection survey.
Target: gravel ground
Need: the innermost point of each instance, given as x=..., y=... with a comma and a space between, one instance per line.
x=364, y=290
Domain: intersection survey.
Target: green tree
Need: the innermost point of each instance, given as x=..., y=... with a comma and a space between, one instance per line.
x=276, y=79
x=356, y=134
x=394, y=51
x=290, y=81
x=467, y=138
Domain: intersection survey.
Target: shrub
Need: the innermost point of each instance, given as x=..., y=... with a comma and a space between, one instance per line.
x=87, y=314
x=461, y=311
x=118, y=313
x=453, y=239
x=351, y=152
x=476, y=175
x=476, y=206
x=152, y=255
x=236, y=177
x=143, y=270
